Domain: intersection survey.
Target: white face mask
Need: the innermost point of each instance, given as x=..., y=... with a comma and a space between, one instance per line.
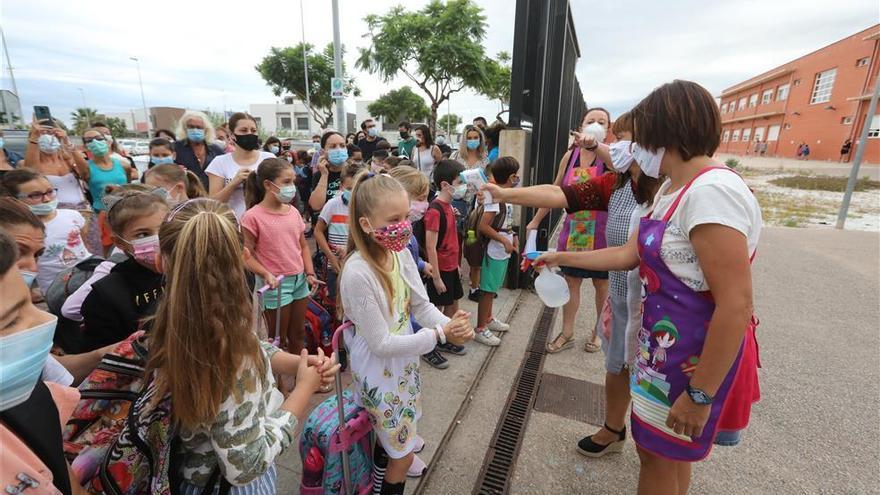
x=648, y=161
x=621, y=157
x=596, y=131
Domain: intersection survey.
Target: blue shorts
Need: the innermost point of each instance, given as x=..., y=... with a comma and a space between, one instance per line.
x=614, y=346
x=728, y=438
x=293, y=288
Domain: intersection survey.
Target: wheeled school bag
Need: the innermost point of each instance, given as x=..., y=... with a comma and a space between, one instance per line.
x=347, y=451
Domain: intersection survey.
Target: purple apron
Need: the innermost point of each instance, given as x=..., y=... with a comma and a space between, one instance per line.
x=582, y=230
x=674, y=325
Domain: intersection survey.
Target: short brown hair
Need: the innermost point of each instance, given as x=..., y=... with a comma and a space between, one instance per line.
x=681, y=115
x=13, y=212
x=623, y=123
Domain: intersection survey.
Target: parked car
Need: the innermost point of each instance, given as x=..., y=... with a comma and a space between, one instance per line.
x=140, y=148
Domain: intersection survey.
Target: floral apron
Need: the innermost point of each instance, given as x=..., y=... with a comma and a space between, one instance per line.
x=582, y=230
x=674, y=325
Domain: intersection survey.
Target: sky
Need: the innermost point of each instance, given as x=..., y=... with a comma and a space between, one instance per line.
x=202, y=54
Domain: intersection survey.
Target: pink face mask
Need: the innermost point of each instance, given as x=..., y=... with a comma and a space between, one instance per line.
x=417, y=210
x=393, y=237
x=144, y=251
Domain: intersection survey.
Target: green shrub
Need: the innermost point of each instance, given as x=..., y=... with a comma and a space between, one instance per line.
x=731, y=163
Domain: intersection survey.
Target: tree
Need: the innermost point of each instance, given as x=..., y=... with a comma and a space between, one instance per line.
x=449, y=121
x=82, y=119
x=498, y=74
x=439, y=48
x=283, y=71
x=116, y=126
x=399, y=104
x=218, y=119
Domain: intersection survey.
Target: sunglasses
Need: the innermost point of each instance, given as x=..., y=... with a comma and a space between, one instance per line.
x=38, y=196
x=96, y=138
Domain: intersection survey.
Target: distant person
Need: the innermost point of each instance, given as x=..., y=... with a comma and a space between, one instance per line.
x=351, y=138
x=806, y=152
x=370, y=143
x=481, y=122
x=426, y=153
x=763, y=149
x=355, y=155
x=845, y=150
x=196, y=150
x=272, y=145
x=800, y=151
x=407, y=142
x=223, y=139
x=165, y=133
x=8, y=158
x=493, y=139
x=442, y=143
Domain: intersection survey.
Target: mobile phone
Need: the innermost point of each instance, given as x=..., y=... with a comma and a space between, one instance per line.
x=41, y=113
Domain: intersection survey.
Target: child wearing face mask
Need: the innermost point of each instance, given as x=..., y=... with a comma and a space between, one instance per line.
x=65, y=229
x=118, y=302
x=381, y=288
x=331, y=230
x=274, y=232
x=161, y=152
x=179, y=183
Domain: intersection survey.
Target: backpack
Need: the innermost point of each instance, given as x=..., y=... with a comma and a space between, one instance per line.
x=419, y=229
x=319, y=327
x=474, y=251
x=71, y=279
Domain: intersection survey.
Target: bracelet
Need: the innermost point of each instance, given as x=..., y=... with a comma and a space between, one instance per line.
x=441, y=335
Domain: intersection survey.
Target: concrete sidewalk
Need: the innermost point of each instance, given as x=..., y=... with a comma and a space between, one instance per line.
x=815, y=167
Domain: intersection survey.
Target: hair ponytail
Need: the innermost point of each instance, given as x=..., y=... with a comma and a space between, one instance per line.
x=268, y=170
x=194, y=187
x=254, y=192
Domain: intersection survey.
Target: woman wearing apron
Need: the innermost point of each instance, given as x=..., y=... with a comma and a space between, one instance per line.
x=695, y=376
x=581, y=231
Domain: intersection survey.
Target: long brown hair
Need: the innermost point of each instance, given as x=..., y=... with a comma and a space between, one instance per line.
x=202, y=333
x=367, y=197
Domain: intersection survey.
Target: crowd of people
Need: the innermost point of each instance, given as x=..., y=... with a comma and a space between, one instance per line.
x=174, y=259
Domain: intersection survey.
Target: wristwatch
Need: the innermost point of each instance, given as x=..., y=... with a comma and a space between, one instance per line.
x=699, y=397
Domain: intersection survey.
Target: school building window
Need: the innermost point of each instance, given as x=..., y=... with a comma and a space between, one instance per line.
x=753, y=100
x=742, y=103
x=874, y=130
x=773, y=133
x=735, y=137
x=747, y=133
x=782, y=92
x=724, y=108
x=863, y=61
x=846, y=120
x=302, y=121
x=823, y=86
x=766, y=97
x=759, y=134
x=726, y=136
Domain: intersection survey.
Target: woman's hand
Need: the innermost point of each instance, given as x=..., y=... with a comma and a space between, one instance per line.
x=583, y=140
x=499, y=194
x=551, y=259
x=241, y=176
x=323, y=166
x=686, y=417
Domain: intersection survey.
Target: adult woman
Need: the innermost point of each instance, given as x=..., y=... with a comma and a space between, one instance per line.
x=104, y=170
x=426, y=153
x=581, y=231
x=196, y=149
x=227, y=173
x=272, y=145
x=326, y=183
x=471, y=153
x=695, y=376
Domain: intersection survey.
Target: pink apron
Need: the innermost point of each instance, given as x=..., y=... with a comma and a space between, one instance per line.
x=582, y=230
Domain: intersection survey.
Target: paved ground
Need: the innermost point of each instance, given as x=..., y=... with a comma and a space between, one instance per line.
x=815, y=431
x=870, y=170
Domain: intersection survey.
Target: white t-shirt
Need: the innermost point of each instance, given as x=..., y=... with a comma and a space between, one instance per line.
x=226, y=167
x=495, y=249
x=716, y=197
x=64, y=247
x=335, y=215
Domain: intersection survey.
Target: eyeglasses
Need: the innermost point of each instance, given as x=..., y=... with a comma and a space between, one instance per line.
x=87, y=140
x=38, y=196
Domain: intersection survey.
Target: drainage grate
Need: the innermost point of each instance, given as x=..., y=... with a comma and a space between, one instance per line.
x=571, y=398
x=501, y=457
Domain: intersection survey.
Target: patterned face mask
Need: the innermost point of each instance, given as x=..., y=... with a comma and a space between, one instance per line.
x=393, y=237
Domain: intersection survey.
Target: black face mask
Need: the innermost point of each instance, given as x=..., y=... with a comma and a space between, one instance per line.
x=248, y=142
x=404, y=135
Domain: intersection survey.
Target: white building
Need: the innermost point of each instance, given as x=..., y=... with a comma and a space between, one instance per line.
x=291, y=117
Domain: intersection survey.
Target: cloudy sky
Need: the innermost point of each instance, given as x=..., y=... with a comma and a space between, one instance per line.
x=202, y=54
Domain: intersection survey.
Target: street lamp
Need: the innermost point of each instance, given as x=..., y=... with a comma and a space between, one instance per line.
x=143, y=100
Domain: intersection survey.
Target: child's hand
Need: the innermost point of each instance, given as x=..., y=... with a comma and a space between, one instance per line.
x=439, y=286
x=308, y=377
x=335, y=265
x=328, y=367
x=428, y=270
x=313, y=281
x=508, y=246
x=271, y=281
x=459, y=329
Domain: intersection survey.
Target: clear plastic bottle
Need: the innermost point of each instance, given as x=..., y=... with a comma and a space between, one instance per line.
x=551, y=288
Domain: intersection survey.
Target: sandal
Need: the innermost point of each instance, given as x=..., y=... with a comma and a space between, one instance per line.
x=553, y=348
x=594, y=345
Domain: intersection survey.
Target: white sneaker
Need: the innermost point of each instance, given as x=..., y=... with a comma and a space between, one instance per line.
x=488, y=338
x=498, y=326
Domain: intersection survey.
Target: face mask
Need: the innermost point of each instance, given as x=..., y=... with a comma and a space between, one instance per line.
x=285, y=194
x=373, y=131
x=473, y=144
x=648, y=161
x=441, y=140
x=459, y=191
x=346, y=196
x=28, y=277
x=221, y=143
x=393, y=237
x=621, y=158
x=316, y=146
x=145, y=250
x=108, y=138
x=274, y=150
x=248, y=142
x=44, y=209
x=2, y=142
x=48, y=143
x=515, y=182
x=596, y=131
x=404, y=135
x=195, y=135
x=337, y=156
x=289, y=159
x=162, y=160
x=22, y=357
x=98, y=148
x=417, y=210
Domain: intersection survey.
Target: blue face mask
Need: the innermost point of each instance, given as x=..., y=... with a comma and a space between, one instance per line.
x=22, y=356
x=346, y=196
x=285, y=194
x=274, y=149
x=337, y=156
x=28, y=277
x=44, y=209
x=48, y=143
x=373, y=132
x=473, y=144
x=98, y=148
x=196, y=135
x=162, y=160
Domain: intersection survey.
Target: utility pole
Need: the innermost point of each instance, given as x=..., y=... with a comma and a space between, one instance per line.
x=85, y=107
x=10, y=115
x=341, y=121
x=860, y=153
x=302, y=21
x=143, y=100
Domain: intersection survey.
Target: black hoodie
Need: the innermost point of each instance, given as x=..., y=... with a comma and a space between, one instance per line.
x=117, y=303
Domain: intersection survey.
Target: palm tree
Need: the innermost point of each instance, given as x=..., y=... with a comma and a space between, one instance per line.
x=82, y=119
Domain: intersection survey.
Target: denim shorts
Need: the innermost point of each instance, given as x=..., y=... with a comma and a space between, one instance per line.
x=728, y=438
x=614, y=346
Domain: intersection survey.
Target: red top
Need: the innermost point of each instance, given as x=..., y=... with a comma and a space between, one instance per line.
x=593, y=194
x=447, y=248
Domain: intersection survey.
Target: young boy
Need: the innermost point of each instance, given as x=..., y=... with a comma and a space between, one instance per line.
x=444, y=288
x=331, y=231
x=495, y=226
